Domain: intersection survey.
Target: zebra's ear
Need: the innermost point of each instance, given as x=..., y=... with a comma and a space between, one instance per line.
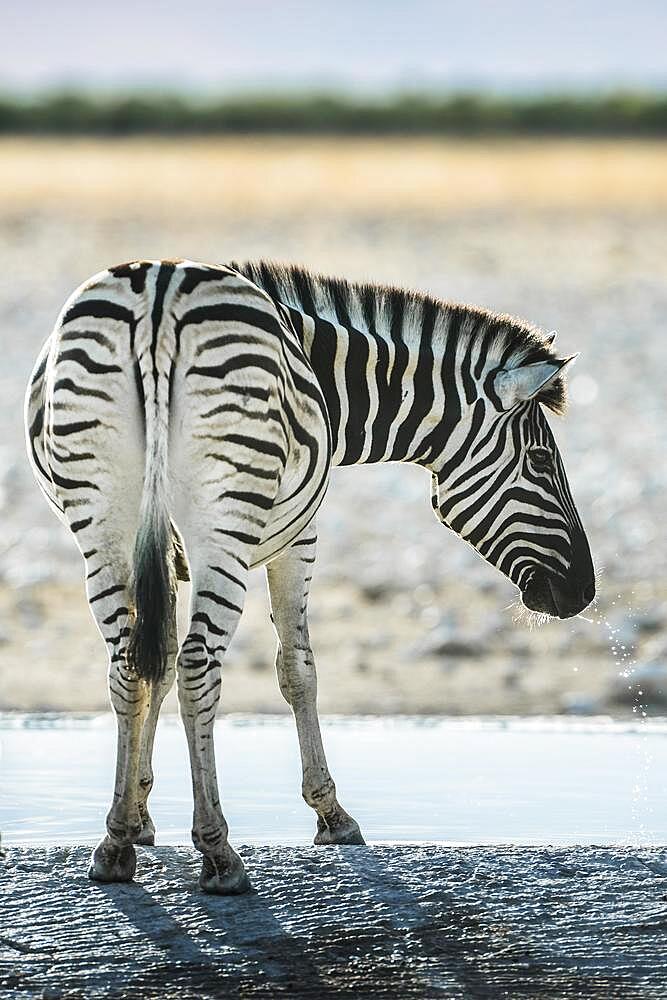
x=550, y=338
x=517, y=385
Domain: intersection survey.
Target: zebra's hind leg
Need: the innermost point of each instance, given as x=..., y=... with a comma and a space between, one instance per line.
x=114, y=858
x=289, y=578
x=158, y=693
x=218, y=591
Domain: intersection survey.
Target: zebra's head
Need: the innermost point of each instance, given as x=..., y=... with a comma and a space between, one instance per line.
x=506, y=491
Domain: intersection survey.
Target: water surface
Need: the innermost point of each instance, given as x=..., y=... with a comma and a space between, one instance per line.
x=476, y=781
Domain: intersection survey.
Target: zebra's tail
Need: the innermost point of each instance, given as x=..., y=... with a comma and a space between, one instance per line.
x=154, y=576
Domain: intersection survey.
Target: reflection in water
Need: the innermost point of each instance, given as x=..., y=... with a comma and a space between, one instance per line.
x=453, y=780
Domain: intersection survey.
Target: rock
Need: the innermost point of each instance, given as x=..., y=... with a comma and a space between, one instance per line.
x=375, y=591
x=655, y=649
x=578, y=703
x=448, y=640
x=518, y=646
x=536, y=918
x=653, y=619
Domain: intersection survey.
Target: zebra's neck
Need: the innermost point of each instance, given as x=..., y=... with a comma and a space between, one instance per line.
x=399, y=370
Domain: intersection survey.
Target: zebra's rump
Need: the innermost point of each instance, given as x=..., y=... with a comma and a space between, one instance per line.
x=192, y=368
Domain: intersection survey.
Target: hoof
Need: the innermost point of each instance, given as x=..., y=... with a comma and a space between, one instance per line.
x=112, y=864
x=146, y=837
x=344, y=832
x=224, y=874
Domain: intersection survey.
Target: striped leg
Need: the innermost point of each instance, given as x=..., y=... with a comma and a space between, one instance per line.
x=114, y=859
x=289, y=577
x=157, y=695
x=217, y=600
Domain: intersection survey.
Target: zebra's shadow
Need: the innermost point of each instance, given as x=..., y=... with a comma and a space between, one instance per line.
x=194, y=944
x=372, y=934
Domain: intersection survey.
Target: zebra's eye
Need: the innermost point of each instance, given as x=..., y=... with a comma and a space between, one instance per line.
x=540, y=459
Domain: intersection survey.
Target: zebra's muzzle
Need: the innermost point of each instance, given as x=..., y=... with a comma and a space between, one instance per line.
x=554, y=596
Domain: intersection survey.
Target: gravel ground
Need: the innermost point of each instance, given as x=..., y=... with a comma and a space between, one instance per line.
x=583, y=252
x=460, y=923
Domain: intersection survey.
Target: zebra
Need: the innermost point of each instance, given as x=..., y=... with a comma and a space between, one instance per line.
x=182, y=420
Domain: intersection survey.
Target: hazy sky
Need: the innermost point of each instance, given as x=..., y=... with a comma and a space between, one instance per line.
x=352, y=43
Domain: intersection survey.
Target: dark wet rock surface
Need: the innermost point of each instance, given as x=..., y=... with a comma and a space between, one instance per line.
x=400, y=922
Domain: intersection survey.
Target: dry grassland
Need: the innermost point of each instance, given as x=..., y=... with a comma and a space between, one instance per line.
x=280, y=176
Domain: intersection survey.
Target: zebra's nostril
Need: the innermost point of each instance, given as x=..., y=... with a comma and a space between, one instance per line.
x=589, y=592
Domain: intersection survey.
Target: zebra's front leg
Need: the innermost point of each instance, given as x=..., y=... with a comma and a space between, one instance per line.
x=289, y=577
x=158, y=693
x=217, y=600
x=114, y=858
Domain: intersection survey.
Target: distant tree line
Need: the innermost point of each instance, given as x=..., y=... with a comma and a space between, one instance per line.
x=77, y=113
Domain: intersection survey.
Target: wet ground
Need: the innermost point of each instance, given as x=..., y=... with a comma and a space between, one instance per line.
x=399, y=922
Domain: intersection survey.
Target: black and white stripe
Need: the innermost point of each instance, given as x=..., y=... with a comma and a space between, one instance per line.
x=183, y=418
x=409, y=378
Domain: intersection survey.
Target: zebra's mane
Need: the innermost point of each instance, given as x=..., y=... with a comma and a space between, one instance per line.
x=511, y=340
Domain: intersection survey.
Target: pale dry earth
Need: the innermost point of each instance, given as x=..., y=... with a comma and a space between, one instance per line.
x=412, y=922
x=405, y=617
